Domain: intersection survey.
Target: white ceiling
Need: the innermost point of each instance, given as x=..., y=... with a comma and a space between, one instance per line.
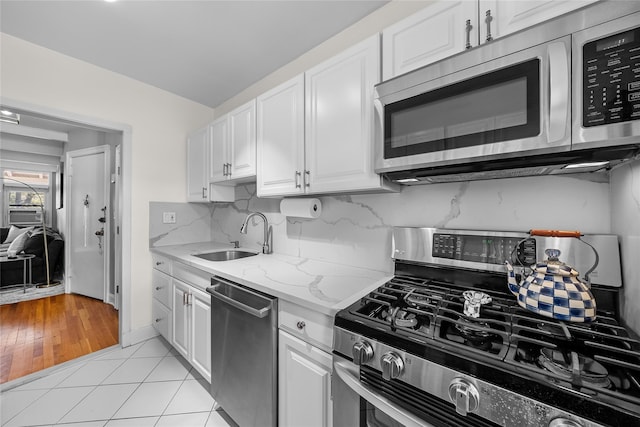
x=206, y=51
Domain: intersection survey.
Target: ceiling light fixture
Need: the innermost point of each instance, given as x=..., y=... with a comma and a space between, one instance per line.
x=9, y=117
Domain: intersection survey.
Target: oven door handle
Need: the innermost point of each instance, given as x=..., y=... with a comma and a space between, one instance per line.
x=348, y=373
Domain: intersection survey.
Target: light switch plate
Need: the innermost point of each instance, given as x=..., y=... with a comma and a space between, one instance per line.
x=168, y=217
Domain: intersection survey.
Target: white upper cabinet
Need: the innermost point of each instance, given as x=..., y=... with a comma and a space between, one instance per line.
x=511, y=16
x=219, y=148
x=280, y=128
x=199, y=170
x=435, y=32
x=315, y=131
x=233, y=146
x=440, y=30
x=197, y=166
x=339, y=121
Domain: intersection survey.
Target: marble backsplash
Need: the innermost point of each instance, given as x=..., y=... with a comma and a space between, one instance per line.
x=356, y=229
x=625, y=220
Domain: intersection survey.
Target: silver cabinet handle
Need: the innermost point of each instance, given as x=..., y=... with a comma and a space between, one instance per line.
x=351, y=379
x=301, y=325
x=228, y=169
x=224, y=169
x=468, y=28
x=307, y=179
x=204, y=196
x=488, y=20
x=298, y=179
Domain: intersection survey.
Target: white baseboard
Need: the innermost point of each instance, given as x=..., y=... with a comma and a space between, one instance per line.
x=138, y=335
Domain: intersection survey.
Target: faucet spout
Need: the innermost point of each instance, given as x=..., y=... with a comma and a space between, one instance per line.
x=268, y=235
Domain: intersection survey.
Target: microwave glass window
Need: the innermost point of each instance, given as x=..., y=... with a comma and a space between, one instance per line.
x=476, y=112
x=499, y=106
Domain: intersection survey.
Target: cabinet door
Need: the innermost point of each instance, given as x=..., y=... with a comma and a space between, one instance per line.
x=197, y=170
x=511, y=16
x=180, y=318
x=304, y=384
x=242, y=135
x=200, y=313
x=339, y=120
x=434, y=33
x=218, y=156
x=280, y=145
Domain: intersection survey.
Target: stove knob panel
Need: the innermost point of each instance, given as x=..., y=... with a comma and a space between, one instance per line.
x=392, y=366
x=362, y=352
x=464, y=395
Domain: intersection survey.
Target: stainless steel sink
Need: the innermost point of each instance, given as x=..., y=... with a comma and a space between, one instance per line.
x=225, y=255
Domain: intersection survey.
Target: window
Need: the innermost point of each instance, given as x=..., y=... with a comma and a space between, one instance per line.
x=26, y=189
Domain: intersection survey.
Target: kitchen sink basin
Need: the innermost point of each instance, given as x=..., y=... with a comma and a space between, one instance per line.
x=225, y=255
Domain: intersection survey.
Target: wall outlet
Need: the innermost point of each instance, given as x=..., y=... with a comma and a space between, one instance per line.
x=168, y=217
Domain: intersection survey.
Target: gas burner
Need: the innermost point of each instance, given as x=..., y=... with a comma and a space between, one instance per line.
x=402, y=319
x=574, y=366
x=472, y=333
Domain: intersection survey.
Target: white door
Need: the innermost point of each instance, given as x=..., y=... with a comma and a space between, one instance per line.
x=88, y=222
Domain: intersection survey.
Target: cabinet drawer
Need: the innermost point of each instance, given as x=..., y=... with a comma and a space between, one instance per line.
x=161, y=284
x=161, y=319
x=192, y=276
x=310, y=326
x=161, y=263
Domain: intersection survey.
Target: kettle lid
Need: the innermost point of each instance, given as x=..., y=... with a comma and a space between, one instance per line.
x=553, y=265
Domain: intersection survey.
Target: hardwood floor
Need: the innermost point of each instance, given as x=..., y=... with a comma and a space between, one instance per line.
x=41, y=333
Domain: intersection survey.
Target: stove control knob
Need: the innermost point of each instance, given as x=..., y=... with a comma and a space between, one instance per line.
x=392, y=366
x=362, y=352
x=464, y=395
x=563, y=422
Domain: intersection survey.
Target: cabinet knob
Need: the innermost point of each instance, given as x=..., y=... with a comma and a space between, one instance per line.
x=159, y=263
x=158, y=288
x=158, y=320
x=301, y=325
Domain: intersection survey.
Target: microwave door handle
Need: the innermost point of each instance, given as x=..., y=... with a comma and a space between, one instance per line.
x=558, y=91
x=350, y=377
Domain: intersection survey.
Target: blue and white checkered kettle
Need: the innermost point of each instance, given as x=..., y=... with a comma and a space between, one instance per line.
x=553, y=289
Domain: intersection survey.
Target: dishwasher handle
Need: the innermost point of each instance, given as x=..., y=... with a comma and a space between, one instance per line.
x=251, y=302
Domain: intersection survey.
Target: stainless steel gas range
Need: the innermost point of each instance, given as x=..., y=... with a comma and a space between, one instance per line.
x=407, y=354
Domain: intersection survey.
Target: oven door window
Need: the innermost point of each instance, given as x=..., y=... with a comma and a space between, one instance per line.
x=502, y=105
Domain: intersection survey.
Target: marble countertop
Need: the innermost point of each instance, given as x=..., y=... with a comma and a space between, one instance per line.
x=317, y=285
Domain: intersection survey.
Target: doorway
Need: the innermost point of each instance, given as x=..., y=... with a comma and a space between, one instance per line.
x=118, y=136
x=88, y=228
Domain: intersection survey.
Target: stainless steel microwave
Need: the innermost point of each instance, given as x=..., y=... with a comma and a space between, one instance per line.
x=560, y=97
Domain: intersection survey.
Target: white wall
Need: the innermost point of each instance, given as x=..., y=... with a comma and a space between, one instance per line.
x=159, y=121
x=375, y=22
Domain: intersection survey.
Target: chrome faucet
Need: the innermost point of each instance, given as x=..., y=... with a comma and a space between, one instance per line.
x=266, y=245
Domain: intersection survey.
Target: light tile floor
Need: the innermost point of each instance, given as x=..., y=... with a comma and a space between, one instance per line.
x=147, y=384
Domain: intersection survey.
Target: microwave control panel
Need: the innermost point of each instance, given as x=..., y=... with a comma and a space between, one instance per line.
x=611, y=79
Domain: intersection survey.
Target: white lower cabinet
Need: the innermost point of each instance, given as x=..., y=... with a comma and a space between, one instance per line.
x=191, y=317
x=304, y=378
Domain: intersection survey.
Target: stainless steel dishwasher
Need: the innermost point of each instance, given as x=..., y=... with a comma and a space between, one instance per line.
x=244, y=346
